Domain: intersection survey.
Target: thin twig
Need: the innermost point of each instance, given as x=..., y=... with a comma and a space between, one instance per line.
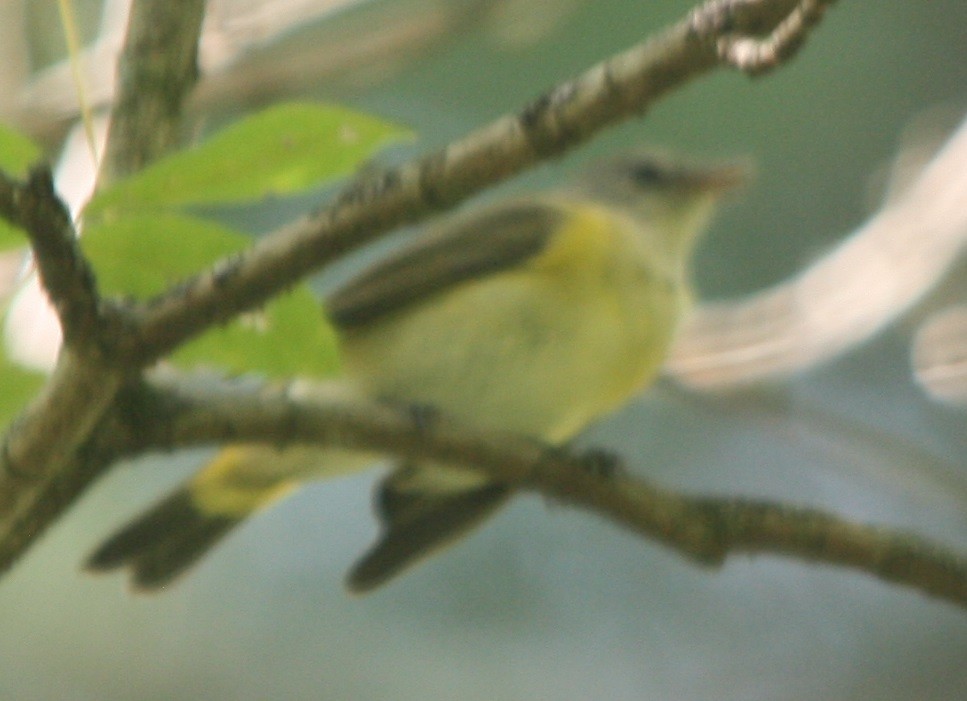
x=64, y=273
x=750, y=526
x=756, y=56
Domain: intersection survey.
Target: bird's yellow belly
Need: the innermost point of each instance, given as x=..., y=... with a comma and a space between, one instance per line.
x=533, y=356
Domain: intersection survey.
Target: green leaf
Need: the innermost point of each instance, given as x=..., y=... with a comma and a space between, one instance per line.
x=283, y=150
x=290, y=336
x=140, y=247
x=11, y=236
x=142, y=255
x=17, y=386
x=17, y=152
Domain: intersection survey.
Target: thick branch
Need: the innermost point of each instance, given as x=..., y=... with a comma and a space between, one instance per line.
x=61, y=417
x=41, y=446
x=173, y=412
x=43, y=503
x=613, y=91
x=157, y=69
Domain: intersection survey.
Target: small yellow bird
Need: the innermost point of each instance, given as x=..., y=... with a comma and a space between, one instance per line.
x=535, y=315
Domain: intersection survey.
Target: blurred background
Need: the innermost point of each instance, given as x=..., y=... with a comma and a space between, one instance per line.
x=547, y=602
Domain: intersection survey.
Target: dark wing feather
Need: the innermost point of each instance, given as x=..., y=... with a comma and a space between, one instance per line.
x=416, y=524
x=481, y=243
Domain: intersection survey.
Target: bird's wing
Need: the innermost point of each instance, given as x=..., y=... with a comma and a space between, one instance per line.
x=479, y=244
x=417, y=523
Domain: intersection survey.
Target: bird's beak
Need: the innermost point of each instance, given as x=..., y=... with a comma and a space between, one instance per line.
x=720, y=179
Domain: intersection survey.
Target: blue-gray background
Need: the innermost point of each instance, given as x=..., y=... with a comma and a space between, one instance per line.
x=547, y=602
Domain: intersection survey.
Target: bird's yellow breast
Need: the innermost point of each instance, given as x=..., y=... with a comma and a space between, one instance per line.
x=541, y=349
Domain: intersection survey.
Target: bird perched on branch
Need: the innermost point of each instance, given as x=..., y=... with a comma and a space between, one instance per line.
x=535, y=315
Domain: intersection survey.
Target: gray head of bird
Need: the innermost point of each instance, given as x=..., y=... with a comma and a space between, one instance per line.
x=673, y=197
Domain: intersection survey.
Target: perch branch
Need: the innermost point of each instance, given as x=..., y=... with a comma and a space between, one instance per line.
x=172, y=412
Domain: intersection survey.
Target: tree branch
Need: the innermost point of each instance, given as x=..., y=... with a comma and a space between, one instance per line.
x=62, y=415
x=177, y=412
x=756, y=56
x=157, y=69
x=41, y=446
x=377, y=202
x=64, y=273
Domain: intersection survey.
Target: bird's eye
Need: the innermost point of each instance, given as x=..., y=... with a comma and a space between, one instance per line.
x=647, y=174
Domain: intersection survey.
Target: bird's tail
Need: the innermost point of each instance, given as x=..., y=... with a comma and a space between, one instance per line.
x=422, y=509
x=171, y=536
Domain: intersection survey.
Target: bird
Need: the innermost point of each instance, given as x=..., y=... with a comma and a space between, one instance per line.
x=535, y=314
